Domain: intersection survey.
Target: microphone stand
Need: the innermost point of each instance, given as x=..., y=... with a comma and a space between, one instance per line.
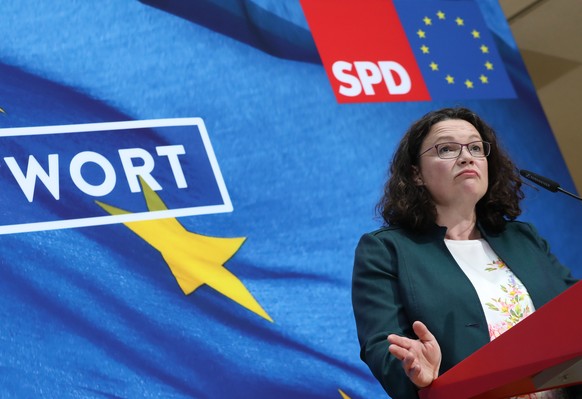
x=560, y=189
x=546, y=183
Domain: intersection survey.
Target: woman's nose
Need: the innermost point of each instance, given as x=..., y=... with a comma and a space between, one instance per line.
x=465, y=155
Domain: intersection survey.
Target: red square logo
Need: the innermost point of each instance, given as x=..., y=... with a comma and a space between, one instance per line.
x=365, y=51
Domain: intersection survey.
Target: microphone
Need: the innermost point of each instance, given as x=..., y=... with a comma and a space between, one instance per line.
x=546, y=183
x=540, y=180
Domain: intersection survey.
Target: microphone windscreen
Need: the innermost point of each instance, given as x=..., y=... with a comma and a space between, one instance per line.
x=540, y=180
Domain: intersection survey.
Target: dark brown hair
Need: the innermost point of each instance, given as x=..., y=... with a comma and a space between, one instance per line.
x=410, y=206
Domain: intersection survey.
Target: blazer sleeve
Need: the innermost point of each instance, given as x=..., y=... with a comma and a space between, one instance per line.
x=379, y=311
x=556, y=267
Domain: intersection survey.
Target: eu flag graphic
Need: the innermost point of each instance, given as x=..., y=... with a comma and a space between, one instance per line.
x=454, y=50
x=396, y=51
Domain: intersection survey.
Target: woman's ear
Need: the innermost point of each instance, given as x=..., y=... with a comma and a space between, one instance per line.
x=416, y=176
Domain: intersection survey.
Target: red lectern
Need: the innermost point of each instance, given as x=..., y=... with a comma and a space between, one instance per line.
x=543, y=351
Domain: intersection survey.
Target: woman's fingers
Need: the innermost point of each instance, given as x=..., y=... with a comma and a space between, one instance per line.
x=422, y=331
x=400, y=341
x=420, y=357
x=397, y=351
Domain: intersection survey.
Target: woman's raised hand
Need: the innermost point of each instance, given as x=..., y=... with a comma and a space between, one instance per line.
x=421, y=358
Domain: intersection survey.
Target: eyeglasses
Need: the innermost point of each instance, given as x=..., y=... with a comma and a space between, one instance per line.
x=478, y=149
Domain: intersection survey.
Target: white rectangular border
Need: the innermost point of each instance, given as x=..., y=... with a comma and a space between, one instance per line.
x=132, y=217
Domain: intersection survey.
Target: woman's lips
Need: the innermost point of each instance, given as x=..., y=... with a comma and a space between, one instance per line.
x=468, y=172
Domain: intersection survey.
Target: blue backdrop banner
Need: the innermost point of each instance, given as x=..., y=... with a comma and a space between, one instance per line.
x=183, y=191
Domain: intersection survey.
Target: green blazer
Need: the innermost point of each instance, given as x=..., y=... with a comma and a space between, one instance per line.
x=400, y=277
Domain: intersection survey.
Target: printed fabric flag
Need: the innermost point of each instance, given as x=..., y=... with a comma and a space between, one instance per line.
x=183, y=191
x=382, y=50
x=454, y=50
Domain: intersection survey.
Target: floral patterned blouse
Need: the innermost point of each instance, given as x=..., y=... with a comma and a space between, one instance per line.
x=504, y=298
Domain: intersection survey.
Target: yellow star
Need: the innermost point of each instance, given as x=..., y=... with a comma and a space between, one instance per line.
x=476, y=34
x=450, y=79
x=434, y=66
x=193, y=259
x=343, y=394
x=469, y=84
x=427, y=21
x=421, y=33
x=484, y=49
x=424, y=49
x=459, y=21
x=440, y=14
x=484, y=79
x=489, y=66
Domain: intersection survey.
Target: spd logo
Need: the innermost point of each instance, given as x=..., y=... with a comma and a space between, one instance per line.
x=383, y=50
